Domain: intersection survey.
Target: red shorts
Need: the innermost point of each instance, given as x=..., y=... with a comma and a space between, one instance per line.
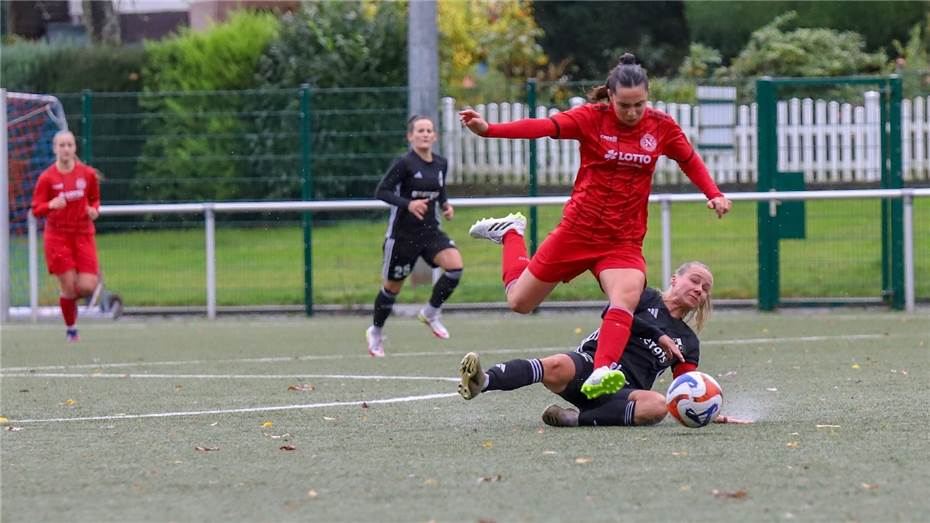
x=564, y=255
x=66, y=251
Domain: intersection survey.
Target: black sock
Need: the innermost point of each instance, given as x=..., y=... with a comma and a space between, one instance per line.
x=612, y=414
x=384, y=302
x=514, y=374
x=444, y=287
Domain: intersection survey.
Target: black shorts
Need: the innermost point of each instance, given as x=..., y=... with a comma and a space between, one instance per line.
x=401, y=252
x=584, y=366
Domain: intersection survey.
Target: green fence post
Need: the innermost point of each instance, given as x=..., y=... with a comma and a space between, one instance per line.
x=895, y=181
x=306, y=170
x=533, y=187
x=87, y=128
x=767, y=163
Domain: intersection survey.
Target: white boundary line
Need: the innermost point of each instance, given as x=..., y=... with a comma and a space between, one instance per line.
x=227, y=376
x=545, y=350
x=305, y=406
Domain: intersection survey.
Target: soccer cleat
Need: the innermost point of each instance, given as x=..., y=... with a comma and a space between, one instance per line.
x=603, y=380
x=435, y=325
x=494, y=228
x=473, y=377
x=556, y=416
x=71, y=335
x=375, y=347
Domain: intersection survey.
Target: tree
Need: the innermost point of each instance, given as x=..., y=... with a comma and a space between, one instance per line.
x=594, y=34
x=102, y=22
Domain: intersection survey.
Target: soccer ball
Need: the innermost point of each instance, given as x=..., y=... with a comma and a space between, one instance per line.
x=694, y=399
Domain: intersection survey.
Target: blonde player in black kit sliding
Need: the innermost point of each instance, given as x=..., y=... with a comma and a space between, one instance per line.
x=415, y=188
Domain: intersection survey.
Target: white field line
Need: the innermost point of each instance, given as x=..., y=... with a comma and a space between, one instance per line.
x=227, y=376
x=538, y=350
x=304, y=406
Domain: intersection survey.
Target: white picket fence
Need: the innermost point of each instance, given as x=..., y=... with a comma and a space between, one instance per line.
x=831, y=142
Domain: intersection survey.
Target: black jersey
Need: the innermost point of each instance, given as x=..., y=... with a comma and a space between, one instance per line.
x=412, y=178
x=643, y=359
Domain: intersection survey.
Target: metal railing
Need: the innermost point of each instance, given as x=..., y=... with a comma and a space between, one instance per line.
x=210, y=209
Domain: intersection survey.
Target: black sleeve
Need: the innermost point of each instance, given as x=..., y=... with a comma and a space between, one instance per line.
x=648, y=298
x=442, y=187
x=393, y=177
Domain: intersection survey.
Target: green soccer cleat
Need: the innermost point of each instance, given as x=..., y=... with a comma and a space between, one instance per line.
x=603, y=380
x=472, y=376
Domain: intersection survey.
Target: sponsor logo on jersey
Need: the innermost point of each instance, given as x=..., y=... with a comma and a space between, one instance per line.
x=430, y=195
x=58, y=186
x=80, y=183
x=607, y=138
x=622, y=157
x=611, y=154
x=418, y=175
x=654, y=312
x=648, y=142
x=73, y=195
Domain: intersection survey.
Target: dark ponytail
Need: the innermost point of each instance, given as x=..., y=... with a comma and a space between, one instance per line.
x=627, y=73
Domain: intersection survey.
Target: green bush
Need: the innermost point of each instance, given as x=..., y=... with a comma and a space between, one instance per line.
x=196, y=147
x=39, y=67
x=356, y=131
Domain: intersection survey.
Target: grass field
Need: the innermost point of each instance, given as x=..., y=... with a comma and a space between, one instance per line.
x=108, y=429
x=263, y=264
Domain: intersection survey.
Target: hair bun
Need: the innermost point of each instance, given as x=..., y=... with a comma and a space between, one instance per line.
x=627, y=59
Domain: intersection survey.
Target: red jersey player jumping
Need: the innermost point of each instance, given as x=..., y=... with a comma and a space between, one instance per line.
x=67, y=193
x=604, y=221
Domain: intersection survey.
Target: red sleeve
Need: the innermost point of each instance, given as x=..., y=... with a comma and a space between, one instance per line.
x=680, y=150
x=682, y=368
x=40, y=197
x=93, y=188
x=526, y=128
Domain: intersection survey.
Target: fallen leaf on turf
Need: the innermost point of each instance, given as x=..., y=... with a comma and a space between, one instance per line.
x=13, y=429
x=793, y=444
x=267, y=424
x=549, y=452
x=3, y=420
x=855, y=365
x=327, y=418
x=487, y=444
x=582, y=461
x=69, y=403
x=725, y=494
x=772, y=389
x=177, y=388
x=828, y=426
x=870, y=486
x=541, y=431
x=274, y=436
x=903, y=371
x=312, y=493
x=430, y=482
x=490, y=479
x=302, y=387
x=206, y=449
x=577, y=330
x=681, y=454
x=684, y=488
x=287, y=447
x=730, y=373
x=215, y=423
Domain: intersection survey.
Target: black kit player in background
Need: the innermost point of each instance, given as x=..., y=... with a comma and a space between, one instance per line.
x=660, y=339
x=414, y=186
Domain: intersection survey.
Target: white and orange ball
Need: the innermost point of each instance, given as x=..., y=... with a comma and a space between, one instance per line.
x=694, y=399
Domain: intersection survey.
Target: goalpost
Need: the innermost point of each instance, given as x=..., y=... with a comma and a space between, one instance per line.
x=30, y=122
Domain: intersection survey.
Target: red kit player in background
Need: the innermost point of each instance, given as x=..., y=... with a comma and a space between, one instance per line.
x=68, y=195
x=604, y=222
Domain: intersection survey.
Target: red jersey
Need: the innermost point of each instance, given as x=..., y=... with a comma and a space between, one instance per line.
x=611, y=194
x=80, y=190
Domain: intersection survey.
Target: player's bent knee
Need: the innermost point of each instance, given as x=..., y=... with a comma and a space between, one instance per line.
x=558, y=372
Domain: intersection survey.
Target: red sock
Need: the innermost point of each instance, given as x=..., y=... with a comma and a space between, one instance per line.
x=68, y=310
x=615, y=332
x=515, y=258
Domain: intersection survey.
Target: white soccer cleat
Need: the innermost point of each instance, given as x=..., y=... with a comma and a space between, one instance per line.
x=435, y=325
x=603, y=380
x=494, y=228
x=375, y=341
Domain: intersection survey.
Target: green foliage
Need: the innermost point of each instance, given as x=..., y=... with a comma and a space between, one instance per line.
x=913, y=60
x=39, y=67
x=355, y=131
x=880, y=22
x=700, y=62
x=196, y=146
